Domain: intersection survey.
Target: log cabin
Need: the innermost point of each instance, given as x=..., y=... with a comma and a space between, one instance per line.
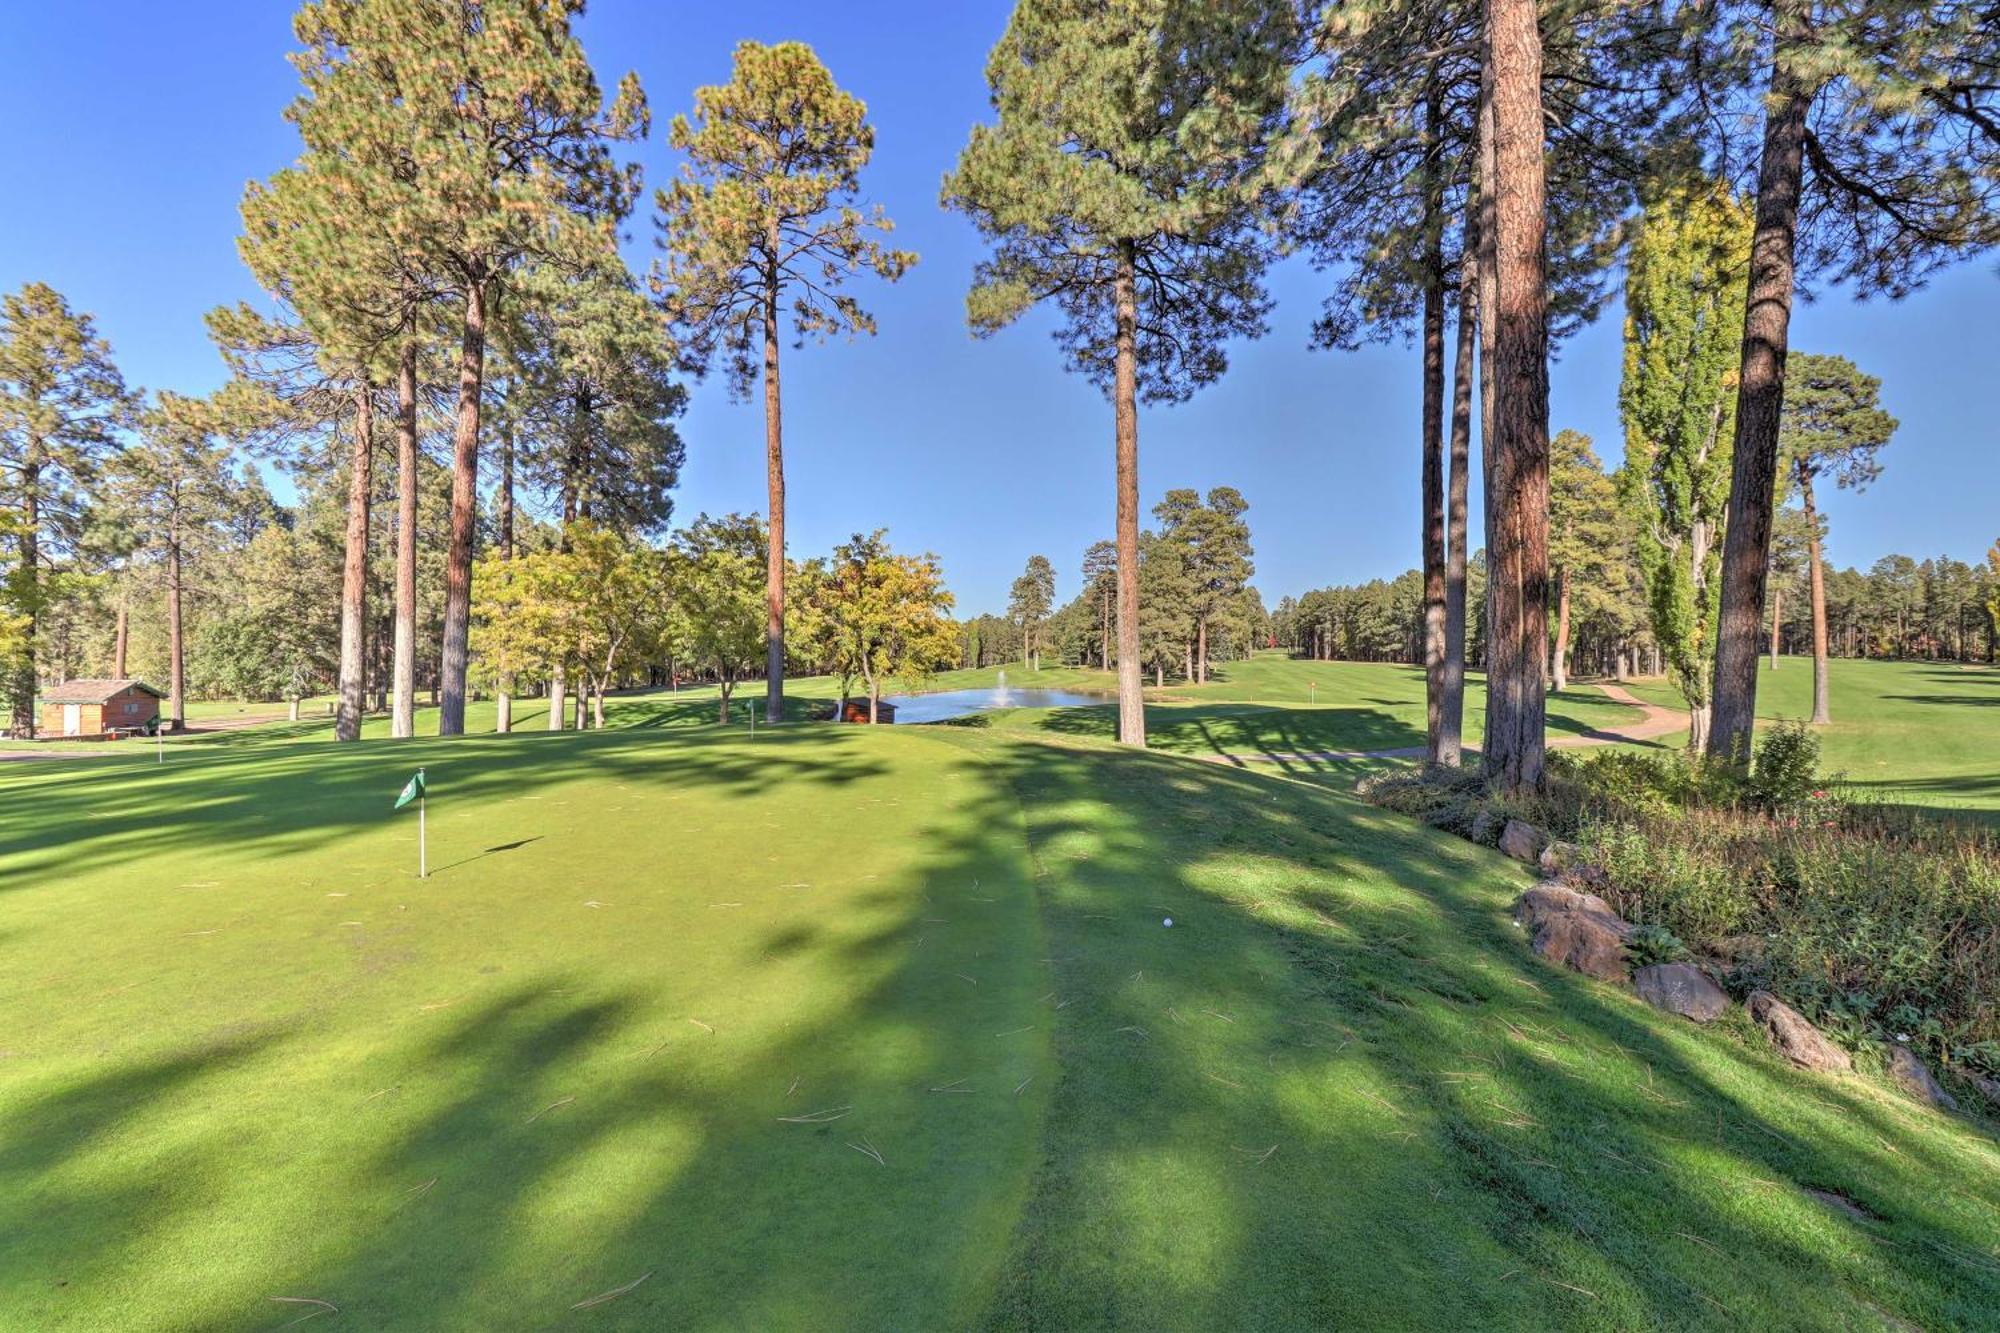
x=89, y=708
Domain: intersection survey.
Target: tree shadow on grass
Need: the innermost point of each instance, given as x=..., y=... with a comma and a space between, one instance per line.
x=995, y=1089
x=283, y=799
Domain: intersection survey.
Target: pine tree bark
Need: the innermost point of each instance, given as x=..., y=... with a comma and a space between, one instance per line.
x=121, y=638
x=1816, y=580
x=1760, y=397
x=354, y=571
x=1489, y=336
x=176, y=640
x=503, y=720
x=1431, y=451
x=1559, y=658
x=1519, y=557
x=403, y=708
x=1451, y=721
x=464, y=516
x=1125, y=379
x=774, y=468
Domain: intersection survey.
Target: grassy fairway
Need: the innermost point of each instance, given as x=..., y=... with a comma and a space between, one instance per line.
x=1924, y=733
x=672, y=991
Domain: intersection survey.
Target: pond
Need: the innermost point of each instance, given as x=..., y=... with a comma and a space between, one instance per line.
x=948, y=704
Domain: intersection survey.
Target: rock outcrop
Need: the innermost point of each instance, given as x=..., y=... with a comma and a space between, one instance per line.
x=1578, y=930
x=1681, y=988
x=1802, y=1043
x=1523, y=841
x=1914, y=1077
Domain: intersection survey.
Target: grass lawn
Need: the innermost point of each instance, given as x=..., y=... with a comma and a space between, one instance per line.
x=1921, y=733
x=851, y=1027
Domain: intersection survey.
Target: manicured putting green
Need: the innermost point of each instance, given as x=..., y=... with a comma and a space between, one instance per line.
x=845, y=1027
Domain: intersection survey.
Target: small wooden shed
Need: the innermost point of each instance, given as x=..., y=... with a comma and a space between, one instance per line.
x=856, y=710
x=98, y=707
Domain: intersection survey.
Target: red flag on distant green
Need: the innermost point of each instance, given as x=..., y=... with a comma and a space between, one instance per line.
x=411, y=790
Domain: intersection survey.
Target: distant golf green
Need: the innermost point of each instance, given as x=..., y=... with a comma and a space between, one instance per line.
x=880, y=1027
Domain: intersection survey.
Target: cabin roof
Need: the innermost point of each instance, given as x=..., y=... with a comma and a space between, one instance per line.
x=94, y=691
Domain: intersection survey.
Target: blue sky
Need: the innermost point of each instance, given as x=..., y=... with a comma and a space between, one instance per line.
x=133, y=126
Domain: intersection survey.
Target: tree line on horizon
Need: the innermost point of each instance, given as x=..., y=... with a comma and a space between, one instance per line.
x=446, y=287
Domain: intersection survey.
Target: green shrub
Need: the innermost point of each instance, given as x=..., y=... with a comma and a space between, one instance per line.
x=1650, y=944
x=1786, y=778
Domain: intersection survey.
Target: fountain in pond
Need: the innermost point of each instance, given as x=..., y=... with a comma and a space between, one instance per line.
x=1000, y=691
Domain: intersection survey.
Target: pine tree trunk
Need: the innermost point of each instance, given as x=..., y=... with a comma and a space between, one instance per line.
x=403, y=711
x=1201, y=651
x=1431, y=451
x=121, y=638
x=1451, y=718
x=1131, y=701
x=774, y=465
x=464, y=516
x=1760, y=397
x=1519, y=556
x=558, y=699
x=1488, y=308
x=176, y=642
x=1816, y=581
x=1777, y=617
x=503, y=720
x=354, y=571
x=22, y=687
x=1559, y=662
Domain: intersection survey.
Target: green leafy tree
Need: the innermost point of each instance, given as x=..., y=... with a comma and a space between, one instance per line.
x=1124, y=180
x=717, y=576
x=1585, y=532
x=1683, y=298
x=879, y=615
x=1832, y=426
x=1029, y=602
x=1212, y=541
x=62, y=401
x=1166, y=606
x=765, y=218
x=1993, y=601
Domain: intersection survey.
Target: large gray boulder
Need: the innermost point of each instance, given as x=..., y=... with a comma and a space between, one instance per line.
x=1578, y=930
x=1523, y=841
x=1802, y=1043
x=1915, y=1078
x=1681, y=988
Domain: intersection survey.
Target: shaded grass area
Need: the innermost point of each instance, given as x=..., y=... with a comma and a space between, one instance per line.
x=1918, y=733
x=879, y=1027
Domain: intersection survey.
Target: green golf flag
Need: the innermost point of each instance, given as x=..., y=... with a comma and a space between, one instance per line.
x=411, y=790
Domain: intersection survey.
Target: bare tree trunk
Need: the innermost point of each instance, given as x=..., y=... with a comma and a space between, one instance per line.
x=1201, y=650
x=1131, y=701
x=1431, y=451
x=1760, y=397
x=1816, y=580
x=122, y=637
x=403, y=712
x=1451, y=718
x=1519, y=556
x=558, y=700
x=354, y=570
x=774, y=468
x=464, y=516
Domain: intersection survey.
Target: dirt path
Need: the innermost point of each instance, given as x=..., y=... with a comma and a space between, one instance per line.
x=1655, y=721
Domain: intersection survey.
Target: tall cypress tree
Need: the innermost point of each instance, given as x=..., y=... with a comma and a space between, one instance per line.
x=1125, y=181
x=765, y=218
x=1683, y=313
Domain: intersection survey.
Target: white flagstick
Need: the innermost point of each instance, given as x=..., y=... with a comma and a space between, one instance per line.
x=423, y=863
